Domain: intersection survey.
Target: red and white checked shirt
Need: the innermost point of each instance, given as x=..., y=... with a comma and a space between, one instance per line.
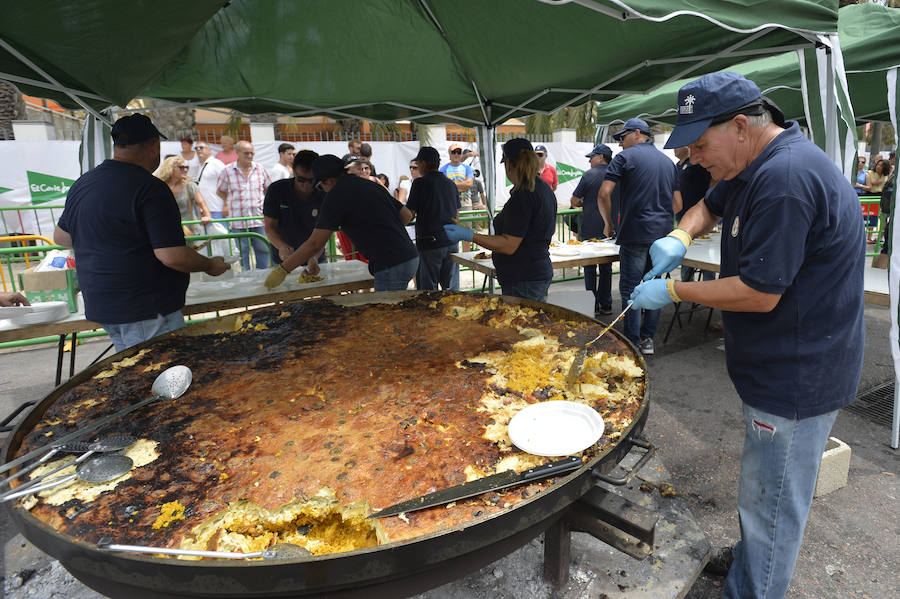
x=245, y=194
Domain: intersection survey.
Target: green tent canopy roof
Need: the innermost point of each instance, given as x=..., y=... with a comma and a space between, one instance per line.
x=466, y=61
x=868, y=34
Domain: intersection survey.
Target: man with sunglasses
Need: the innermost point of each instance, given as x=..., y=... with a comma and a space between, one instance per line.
x=791, y=295
x=291, y=207
x=546, y=171
x=463, y=177
x=649, y=196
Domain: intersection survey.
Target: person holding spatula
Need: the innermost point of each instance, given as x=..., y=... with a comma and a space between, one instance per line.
x=791, y=295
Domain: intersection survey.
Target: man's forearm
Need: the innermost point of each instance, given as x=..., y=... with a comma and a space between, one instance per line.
x=698, y=220
x=729, y=294
x=183, y=259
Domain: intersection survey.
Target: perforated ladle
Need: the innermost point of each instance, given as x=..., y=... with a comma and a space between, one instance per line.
x=276, y=551
x=170, y=384
x=105, y=445
x=99, y=469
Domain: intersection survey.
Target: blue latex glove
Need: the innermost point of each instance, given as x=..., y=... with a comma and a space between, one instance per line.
x=666, y=254
x=651, y=295
x=457, y=233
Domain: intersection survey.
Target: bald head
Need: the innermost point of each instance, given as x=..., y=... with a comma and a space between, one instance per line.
x=245, y=153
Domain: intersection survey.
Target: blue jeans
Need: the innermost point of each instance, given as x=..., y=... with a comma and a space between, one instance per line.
x=396, y=278
x=779, y=466
x=534, y=290
x=436, y=267
x=600, y=285
x=260, y=248
x=634, y=263
x=125, y=335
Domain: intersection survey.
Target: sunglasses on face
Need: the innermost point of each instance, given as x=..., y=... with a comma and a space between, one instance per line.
x=539, y=154
x=198, y=148
x=413, y=167
x=183, y=167
x=456, y=151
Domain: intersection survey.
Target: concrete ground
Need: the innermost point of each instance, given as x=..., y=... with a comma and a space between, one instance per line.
x=851, y=547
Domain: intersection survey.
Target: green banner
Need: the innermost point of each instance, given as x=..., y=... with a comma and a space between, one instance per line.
x=567, y=172
x=4, y=189
x=45, y=188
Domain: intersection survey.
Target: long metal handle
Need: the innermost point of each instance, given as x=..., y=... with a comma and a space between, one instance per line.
x=35, y=481
x=48, y=485
x=44, y=458
x=187, y=552
x=79, y=433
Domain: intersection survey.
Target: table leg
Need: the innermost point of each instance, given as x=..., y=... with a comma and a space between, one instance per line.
x=59, y=359
x=72, y=357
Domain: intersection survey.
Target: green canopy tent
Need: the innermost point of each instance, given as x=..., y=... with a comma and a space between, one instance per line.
x=470, y=62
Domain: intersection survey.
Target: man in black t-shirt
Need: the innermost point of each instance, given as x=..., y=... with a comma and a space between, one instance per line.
x=434, y=201
x=372, y=219
x=291, y=208
x=125, y=228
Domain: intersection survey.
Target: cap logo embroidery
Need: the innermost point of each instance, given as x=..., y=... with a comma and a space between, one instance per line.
x=688, y=107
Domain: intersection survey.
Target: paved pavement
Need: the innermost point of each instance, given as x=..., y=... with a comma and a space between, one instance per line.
x=851, y=548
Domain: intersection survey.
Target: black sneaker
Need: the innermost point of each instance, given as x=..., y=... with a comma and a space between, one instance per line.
x=646, y=347
x=602, y=310
x=720, y=562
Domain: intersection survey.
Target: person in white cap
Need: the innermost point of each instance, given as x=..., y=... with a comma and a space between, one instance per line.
x=791, y=295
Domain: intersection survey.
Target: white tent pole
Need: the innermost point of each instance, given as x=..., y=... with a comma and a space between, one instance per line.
x=45, y=85
x=894, y=267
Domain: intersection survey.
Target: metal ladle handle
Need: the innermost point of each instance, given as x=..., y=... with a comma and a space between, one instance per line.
x=186, y=552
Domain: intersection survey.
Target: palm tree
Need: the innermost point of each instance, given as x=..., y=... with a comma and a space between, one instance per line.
x=582, y=118
x=12, y=108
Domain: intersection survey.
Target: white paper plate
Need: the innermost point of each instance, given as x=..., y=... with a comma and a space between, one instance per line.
x=555, y=428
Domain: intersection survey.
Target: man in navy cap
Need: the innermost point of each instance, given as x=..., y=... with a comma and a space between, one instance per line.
x=370, y=216
x=546, y=171
x=129, y=246
x=791, y=295
x=647, y=182
x=592, y=225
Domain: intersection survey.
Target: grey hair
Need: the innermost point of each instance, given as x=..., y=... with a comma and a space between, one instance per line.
x=757, y=121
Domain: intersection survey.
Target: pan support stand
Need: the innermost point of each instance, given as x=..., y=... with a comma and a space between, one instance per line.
x=637, y=540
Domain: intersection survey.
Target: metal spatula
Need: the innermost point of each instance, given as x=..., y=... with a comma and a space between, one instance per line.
x=286, y=551
x=578, y=362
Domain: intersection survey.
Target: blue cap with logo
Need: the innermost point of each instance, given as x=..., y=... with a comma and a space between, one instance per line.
x=601, y=149
x=540, y=149
x=634, y=124
x=703, y=102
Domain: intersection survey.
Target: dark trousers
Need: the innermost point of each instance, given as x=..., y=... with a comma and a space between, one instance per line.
x=437, y=268
x=598, y=280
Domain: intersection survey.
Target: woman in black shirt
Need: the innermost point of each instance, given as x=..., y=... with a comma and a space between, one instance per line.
x=521, y=246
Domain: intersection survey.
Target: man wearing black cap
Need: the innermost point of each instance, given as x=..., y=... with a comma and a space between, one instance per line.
x=791, y=295
x=125, y=228
x=373, y=220
x=647, y=182
x=592, y=225
x=434, y=202
x=291, y=207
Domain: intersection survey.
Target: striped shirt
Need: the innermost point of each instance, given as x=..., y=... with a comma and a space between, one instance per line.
x=245, y=194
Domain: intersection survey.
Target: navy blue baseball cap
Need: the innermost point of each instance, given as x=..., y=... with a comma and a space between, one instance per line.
x=514, y=147
x=713, y=99
x=634, y=124
x=133, y=129
x=326, y=167
x=541, y=149
x=601, y=149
